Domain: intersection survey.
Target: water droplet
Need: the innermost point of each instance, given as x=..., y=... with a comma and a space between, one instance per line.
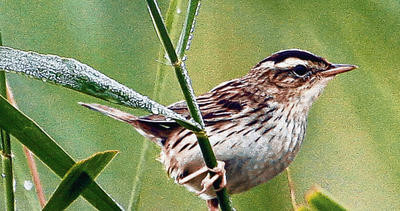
x=193, y=26
x=184, y=58
x=3, y=175
x=154, y=110
x=188, y=45
x=178, y=10
x=183, y=66
x=190, y=37
x=198, y=8
x=28, y=185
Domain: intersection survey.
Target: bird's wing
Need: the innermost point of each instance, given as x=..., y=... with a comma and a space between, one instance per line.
x=218, y=105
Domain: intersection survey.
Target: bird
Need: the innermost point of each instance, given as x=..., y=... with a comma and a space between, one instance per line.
x=255, y=124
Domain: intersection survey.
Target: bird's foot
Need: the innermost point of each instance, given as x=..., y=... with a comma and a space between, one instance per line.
x=208, y=181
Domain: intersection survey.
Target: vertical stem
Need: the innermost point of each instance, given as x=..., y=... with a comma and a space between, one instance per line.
x=136, y=189
x=162, y=31
x=188, y=26
x=185, y=83
x=211, y=162
x=180, y=72
x=7, y=171
x=30, y=159
x=3, y=87
x=291, y=189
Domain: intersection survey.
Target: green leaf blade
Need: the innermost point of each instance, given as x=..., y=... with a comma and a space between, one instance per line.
x=318, y=199
x=77, y=179
x=80, y=77
x=47, y=150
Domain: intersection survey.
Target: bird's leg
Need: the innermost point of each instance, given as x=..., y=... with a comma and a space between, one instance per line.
x=212, y=204
x=208, y=181
x=193, y=175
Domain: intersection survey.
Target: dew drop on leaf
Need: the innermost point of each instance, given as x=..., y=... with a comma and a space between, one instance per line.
x=28, y=185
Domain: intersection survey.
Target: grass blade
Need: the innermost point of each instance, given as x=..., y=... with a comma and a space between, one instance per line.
x=77, y=179
x=6, y=159
x=47, y=150
x=318, y=199
x=29, y=159
x=83, y=78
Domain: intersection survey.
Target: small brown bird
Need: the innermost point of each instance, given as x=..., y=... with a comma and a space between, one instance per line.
x=255, y=124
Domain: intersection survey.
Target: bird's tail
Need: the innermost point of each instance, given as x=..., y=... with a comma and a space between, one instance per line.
x=111, y=112
x=157, y=131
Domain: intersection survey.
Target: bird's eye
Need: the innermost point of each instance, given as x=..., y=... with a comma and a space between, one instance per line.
x=300, y=70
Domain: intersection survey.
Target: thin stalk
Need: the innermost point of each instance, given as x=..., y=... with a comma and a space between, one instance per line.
x=155, y=14
x=188, y=26
x=136, y=189
x=185, y=83
x=35, y=176
x=211, y=162
x=291, y=189
x=7, y=171
x=30, y=159
x=173, y=57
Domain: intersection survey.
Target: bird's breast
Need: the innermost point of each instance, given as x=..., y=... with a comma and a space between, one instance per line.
x=255, y=148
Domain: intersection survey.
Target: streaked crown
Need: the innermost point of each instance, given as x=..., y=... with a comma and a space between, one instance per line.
x=295, y=67
x=296, y=72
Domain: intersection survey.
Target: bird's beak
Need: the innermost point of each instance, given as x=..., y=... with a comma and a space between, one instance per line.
x=335, y=69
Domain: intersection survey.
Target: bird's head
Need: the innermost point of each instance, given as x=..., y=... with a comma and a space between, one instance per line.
x=296, y=74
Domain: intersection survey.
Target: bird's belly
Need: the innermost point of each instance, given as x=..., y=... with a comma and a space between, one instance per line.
x=250, y=159
x=256, y=163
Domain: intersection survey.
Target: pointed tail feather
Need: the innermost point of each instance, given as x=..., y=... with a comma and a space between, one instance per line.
x=111, y=112
x=157, y=131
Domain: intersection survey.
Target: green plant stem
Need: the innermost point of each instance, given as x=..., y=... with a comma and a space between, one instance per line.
x=162, y=31
x=29, y=157
x=211, y=162
x=173, y=57
x=187, y=26
x=171, y=20
x=184, y=81
x=7, y=171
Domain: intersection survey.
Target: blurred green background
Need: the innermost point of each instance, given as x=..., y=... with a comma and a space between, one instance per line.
x=352, y=147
